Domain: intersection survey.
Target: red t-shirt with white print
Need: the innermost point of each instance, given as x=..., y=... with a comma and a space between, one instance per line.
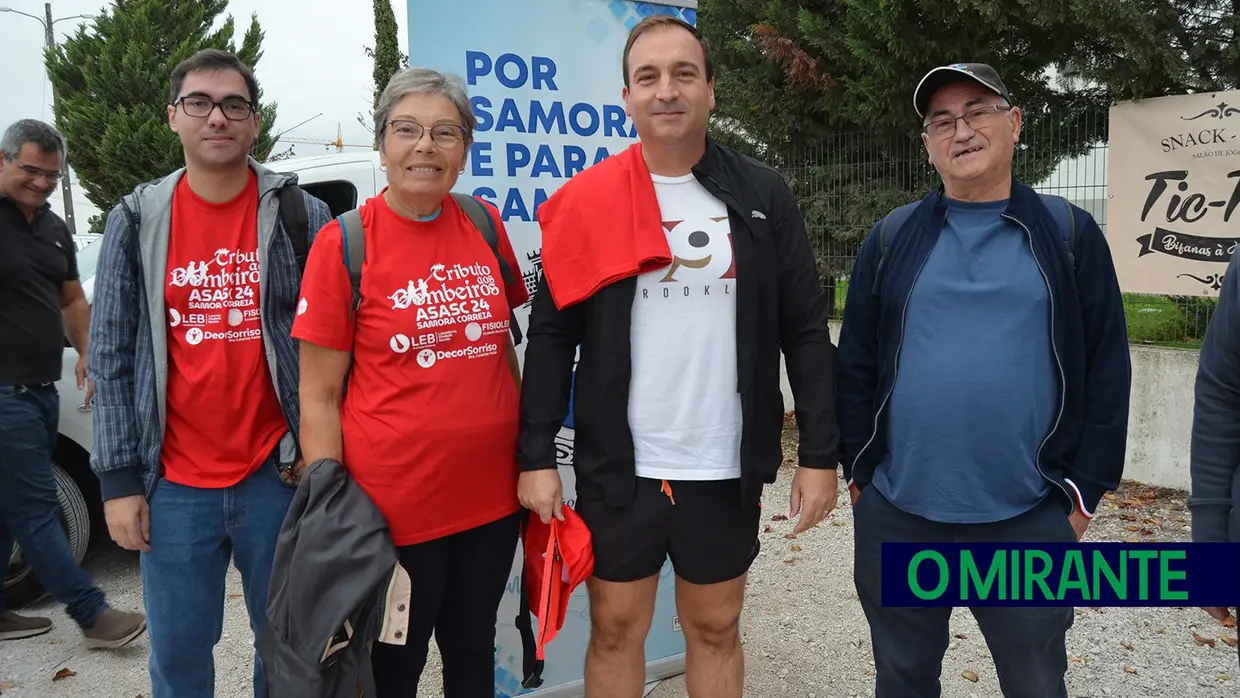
x=224, y=418
x=430, y=417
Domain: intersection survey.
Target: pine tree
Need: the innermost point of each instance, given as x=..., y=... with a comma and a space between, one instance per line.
x=111, y=84
x=823, y=90
x=387, y=56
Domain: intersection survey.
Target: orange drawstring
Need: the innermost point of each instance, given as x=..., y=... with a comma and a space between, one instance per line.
x=667, y=490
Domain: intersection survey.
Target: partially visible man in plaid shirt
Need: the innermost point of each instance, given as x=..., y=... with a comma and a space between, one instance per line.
x=196, y=374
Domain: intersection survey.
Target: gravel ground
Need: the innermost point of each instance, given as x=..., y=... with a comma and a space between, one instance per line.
x=803, y=630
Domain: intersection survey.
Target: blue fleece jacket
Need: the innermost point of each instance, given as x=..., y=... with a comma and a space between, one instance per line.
x=1082, y=454
x=977, y=388
x=1215, y=452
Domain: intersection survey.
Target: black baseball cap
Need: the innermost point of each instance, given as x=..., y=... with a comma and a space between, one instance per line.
x=980, y=73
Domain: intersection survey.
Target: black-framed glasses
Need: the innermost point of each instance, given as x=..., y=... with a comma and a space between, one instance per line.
x=444, y=135
x=946, y=126
x=233, y=108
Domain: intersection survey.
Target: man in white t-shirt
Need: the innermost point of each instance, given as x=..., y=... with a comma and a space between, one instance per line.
x=681, y=295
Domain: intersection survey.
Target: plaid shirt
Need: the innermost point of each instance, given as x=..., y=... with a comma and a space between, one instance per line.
x=127, y=407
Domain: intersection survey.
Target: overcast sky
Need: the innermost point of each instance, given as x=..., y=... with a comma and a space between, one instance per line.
x=313, y=62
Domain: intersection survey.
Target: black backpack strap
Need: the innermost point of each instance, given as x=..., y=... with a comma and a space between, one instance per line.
x=296, y=222
x=353, y=249
x=482, y=221
x=1064, y=217
x=531, y=665
x=900, y=214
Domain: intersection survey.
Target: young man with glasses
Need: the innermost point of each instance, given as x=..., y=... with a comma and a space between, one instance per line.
x=994, y=407
x=41, y=303
x=196, y=409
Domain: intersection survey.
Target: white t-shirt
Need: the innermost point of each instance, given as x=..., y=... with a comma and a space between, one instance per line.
x=684, y=408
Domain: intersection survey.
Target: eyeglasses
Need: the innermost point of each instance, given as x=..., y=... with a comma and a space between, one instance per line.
x=946, y=126
x=444, y=135
x=200, y=107
x=37, y=172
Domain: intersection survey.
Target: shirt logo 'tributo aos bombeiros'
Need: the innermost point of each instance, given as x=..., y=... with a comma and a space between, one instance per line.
x=221, y=293
x=449, y=299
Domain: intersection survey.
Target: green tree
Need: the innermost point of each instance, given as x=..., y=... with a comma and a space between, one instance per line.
x=386, y=54
x=111, y=84
x=387, y=57
x=823, y=89
x=1152, y=48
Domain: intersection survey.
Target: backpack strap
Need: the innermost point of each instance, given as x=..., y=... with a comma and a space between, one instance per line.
x=900, y=214
x=353, y=248
x=482, y=221
x=296, y=222
x=1061, y=210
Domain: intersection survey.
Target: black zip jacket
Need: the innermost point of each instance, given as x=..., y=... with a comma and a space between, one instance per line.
x=780, y=305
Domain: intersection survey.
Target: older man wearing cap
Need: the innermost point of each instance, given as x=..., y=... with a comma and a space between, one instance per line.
x=983, y=378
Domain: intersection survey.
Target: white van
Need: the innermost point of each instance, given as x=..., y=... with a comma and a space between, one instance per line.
x=343, y=181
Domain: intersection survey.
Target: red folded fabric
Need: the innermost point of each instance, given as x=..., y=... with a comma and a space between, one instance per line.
x=601, y=226
x=558, y=558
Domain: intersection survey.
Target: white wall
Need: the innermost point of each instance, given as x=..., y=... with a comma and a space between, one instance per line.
x=1160, y=417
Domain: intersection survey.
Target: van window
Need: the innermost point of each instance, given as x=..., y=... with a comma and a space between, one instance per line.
x=339, y=195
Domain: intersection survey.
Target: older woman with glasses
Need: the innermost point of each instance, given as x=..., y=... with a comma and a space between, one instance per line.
x=428, y=423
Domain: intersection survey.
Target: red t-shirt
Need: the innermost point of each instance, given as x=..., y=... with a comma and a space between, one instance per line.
x=430, y=416
x=224, y=418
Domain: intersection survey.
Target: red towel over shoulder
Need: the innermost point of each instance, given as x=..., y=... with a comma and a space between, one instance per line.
x=601, y=226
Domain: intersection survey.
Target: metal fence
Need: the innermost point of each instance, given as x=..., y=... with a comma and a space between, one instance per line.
x=850, y=180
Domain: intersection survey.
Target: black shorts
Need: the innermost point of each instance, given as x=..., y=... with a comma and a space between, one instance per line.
x=710, y=535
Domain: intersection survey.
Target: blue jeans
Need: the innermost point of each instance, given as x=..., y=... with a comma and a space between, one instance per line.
x=30, y=505
x=194, y=532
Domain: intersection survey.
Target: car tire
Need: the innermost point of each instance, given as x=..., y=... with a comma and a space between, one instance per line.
x=22, y=587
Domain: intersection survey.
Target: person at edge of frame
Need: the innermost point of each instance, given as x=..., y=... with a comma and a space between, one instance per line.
x=1214, y=460
x=41, y=304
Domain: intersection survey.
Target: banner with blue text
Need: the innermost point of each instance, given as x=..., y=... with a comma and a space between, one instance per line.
x=1061, y=574
x=545, y=80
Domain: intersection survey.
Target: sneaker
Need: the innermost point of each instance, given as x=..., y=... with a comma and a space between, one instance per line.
x=15, y=627
x=113, y=629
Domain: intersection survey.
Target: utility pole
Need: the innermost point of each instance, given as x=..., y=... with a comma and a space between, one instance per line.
x=66, y=189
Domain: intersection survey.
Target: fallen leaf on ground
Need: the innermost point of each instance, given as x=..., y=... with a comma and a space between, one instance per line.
x=767, y=529
x=779, y=517
x=796, y=548
x=1224, y=677
x=6, y=685
x=1147, y=531
x=1130, y=669
x=1231, y=641
x=1229, y=622
x=1074, y=658
x=1125, y=644
x=1128, y=517
x=1203, y=640
x=234, y=596
x=1133, y=528
x=64, y=674
x=969, y=675
x=1152, y=521
x=837, y=522
x=790, y=561
x=790, y=536
x=961, y=636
